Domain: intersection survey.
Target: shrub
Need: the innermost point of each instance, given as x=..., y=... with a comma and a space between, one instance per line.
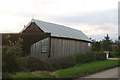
x=100, y=56
x=12, y=61
x=89, y=57
x=85, y=57
x=9, y=63
x=113, y=54
x=36, y=64
x=22, y=63
x=63, y=63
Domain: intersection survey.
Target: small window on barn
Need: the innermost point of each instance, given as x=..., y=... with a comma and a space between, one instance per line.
x=89, y=44
x=44, y=46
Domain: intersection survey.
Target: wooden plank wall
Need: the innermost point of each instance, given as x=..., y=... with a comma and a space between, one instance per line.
x=65, y=47
x=41, y=49
x=59, y=48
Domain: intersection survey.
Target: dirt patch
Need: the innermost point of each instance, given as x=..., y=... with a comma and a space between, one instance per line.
x=45, y=73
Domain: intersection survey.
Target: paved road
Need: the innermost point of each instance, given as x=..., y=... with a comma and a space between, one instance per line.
x=111, y=73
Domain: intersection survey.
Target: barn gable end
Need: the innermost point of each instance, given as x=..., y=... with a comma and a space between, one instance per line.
x=33, y=28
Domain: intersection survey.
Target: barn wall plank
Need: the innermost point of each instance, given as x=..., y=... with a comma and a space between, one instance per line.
x=64, y=47
x=59, y=48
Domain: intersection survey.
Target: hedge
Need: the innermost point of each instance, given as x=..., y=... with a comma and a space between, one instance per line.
x=89, y=57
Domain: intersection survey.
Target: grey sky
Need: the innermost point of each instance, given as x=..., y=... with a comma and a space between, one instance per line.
x=95, y=18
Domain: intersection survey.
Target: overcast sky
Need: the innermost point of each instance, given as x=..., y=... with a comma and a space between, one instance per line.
x=95, y=18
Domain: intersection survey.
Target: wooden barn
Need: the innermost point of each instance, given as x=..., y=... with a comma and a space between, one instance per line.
x=61, y=42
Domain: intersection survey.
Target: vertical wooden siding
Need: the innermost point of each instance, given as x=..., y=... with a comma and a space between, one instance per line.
x=38, y=47
x=65, y=47
x=59, y=48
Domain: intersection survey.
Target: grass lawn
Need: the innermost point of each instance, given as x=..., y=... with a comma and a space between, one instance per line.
x=81, y=70
x=74, y=72
x=28, y=75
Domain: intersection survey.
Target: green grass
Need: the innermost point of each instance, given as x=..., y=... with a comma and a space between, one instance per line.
x=81, y=70
x=28, y=75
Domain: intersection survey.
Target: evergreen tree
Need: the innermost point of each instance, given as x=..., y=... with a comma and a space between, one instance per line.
x=107, y=43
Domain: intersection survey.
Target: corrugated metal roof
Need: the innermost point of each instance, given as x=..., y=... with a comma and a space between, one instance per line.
x=59, y=30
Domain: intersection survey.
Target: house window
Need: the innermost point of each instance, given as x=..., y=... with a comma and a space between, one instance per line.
x=89, y=44
x=44, y=46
